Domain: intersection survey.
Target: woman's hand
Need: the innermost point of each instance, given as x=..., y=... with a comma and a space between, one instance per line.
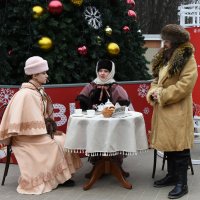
x=95, y=107
x=154, y=96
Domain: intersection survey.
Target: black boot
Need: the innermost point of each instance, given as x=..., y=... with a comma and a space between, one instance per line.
x=170, y=178
x=181, y=187
x=178, y=191
x=68, y=183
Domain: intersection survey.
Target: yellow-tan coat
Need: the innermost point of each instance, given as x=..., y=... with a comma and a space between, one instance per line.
x=172, y=120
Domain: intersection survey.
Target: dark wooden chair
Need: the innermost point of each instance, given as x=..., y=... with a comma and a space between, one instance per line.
x=9, y=150
x=7, y=164
x=163, y=163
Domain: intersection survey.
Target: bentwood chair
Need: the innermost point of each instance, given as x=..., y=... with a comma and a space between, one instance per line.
x=9, y=150
x=163, y=162
x=196, y=130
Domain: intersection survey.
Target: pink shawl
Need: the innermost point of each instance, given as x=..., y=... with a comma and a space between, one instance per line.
x=24, y=114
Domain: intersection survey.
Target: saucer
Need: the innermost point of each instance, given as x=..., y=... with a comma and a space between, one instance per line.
x=77, y=115
x=89, y=116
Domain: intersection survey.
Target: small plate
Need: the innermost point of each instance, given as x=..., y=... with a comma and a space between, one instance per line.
x=89, y=116
x=77, y=115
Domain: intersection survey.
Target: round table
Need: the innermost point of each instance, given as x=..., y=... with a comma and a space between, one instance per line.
x=106, y=137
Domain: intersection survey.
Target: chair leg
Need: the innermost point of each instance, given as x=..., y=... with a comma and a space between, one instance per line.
x=7, y=163
x=164, y=159
x=154, y=163
x=190, y=163
x=191, y=166
x=163, y=163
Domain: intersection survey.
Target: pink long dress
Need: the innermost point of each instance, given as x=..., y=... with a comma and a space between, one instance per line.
x=42, y=161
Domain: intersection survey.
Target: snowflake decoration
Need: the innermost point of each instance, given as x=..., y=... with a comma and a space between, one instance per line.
x=142, y=90
x=146, y=110
x=5, y=95
x=93, y=17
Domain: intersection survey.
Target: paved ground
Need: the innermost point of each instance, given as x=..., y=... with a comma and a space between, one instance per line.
x=108, y=188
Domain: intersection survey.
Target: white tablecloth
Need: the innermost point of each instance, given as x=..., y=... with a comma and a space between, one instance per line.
x=106, y=136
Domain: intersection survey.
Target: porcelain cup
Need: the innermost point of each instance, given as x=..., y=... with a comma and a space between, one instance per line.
x=91, y=112
x=78, y=111
x=126, y=109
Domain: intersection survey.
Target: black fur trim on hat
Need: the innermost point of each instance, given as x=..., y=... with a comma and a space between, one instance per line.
x=104, y=64
x=175, y=33
x=177, y=61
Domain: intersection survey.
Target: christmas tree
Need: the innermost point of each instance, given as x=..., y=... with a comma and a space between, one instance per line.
x=72, y=35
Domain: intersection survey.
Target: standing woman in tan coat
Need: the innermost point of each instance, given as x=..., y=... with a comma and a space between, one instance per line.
x=175, y=73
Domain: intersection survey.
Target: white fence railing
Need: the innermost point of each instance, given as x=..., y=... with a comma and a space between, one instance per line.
x=189, y=15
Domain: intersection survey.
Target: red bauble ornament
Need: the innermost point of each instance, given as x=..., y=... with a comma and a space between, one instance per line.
x=126, y=29
x=82, y=50
x=55, y=7
x=131, y=2
x=131, y=13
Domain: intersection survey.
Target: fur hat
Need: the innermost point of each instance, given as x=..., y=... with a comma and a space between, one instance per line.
x=175, y=33
x=104, y=64
x=35, y=65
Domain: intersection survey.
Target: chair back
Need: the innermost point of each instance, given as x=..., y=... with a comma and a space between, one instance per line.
x=2, y=109
x=196, y=120
x=8, y=147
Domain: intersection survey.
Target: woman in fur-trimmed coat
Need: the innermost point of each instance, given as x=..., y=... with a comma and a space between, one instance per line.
x=175, y=72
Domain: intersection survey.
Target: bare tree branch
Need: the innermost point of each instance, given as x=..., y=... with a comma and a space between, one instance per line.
x=154, y=14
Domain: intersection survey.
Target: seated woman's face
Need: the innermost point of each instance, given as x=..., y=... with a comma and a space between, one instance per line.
x=103, y=73
x=41, y=78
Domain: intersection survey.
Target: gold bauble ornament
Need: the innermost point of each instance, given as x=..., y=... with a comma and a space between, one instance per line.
x=45, y=43
x=77, y=2
x=37, y=11
x=108, y=30
x=113, y=48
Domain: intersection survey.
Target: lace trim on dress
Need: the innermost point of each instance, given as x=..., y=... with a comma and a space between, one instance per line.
x=44, y=177
x=16, y=128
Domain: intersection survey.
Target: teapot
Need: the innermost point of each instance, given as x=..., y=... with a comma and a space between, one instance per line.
x=109, y=104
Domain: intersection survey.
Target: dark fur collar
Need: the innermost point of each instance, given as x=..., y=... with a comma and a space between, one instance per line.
x=176, y=63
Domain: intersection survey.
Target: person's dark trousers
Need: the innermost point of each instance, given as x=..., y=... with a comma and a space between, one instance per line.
x=181, y=165
x=171, y=177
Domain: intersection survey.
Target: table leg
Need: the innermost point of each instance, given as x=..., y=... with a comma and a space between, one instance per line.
x=97, y=172
x=107, y=166
x=89, y=175
x=124, y=173
x=117, y=172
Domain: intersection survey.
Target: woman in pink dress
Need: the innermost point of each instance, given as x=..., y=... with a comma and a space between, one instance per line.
x=42, y=161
